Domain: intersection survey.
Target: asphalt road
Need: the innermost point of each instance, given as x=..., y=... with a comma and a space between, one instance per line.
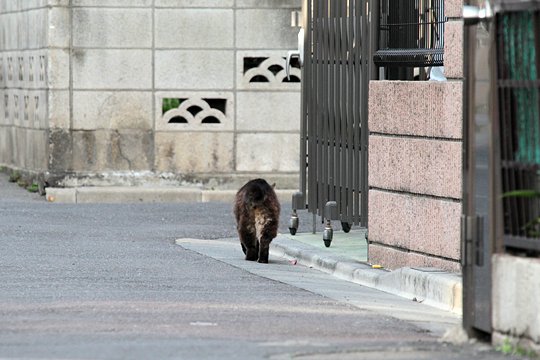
x=108, y=281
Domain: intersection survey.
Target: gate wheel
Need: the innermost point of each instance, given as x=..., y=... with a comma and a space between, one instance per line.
x=328, y=234
x=345, y=226
x=293, y=223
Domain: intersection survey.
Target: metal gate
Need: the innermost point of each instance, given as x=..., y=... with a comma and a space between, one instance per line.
x=502, y=143
x=334, y=137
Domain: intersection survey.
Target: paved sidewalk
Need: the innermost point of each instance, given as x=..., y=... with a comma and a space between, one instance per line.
x=346, y=258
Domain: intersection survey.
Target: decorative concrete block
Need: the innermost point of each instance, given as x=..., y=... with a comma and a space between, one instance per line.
x=270, y=152
x=107, y=28
x=194, y=69
x=112, y=69
x=35, y=69
x=393, y=259
x=31, y=27
x=453, y=49
x=254, y=25
x=421, y=108
x=421, y=224
x=268, y=111
x=101, y=150
x=35, y=109
x=265, y=70
x=5, y=108
x=195, y=3
x=516, y=291
x=197, y=111
x=112, y=110
x=420, y=166
x=196, y=152
x=194, y=28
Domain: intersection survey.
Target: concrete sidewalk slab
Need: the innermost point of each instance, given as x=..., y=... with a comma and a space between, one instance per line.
x=137, y=194
x=345, y=259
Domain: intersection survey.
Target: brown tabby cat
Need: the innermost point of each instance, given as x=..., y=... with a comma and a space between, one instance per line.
x=256, y=209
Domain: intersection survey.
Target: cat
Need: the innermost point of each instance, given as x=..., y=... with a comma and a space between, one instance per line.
x=256, y=209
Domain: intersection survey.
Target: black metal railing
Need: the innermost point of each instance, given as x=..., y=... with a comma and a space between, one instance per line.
x=518, y=90
x=411, y=34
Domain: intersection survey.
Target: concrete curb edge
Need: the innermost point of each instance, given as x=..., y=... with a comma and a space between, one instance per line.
x=433, y=287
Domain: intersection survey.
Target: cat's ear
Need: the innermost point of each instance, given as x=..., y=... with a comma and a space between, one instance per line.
x=273, y=185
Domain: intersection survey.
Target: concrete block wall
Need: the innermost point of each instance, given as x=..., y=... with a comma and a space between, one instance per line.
x=515, y=292
x=110, y=65
x=415, y=164
x=24, y=80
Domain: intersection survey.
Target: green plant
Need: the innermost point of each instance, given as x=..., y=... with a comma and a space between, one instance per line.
x=170, y=103
x=15, y=176
x=533, y=226
x=22, y=183
x=33, y=188
x=507, y=348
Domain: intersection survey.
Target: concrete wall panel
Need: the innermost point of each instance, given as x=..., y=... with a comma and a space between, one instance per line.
x=268, y=111
x=267, y=152
x=194, y=69
x=188, y=153
x=112, y=110
x=112, y=69
x=116, y=28
x=414, y=165
x=194, y=28
x=415, y=223
x=429, y=109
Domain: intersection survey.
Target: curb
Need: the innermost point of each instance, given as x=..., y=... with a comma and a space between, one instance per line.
x=135, y=194
x=430, y=286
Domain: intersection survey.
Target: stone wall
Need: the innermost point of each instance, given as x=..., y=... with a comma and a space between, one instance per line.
x=113, y=65
x=415, y=164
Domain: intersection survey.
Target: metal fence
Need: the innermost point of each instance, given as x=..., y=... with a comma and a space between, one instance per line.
x=410, y=34
x=334, y=112
x=518, y=90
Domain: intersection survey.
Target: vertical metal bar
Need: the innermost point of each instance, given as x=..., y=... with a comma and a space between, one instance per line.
x=345, y=104
x=332, y=99
x=322, y=98
x=313, y=190
x=355, y=159
x=321, y=106
x=306, y=84
x=363, y=185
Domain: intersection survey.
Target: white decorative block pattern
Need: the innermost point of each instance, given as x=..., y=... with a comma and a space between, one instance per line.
x=197, y=111
x=266, y=70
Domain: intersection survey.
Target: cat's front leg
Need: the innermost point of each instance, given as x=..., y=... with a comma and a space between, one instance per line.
x=249, y=243
x=264, y=249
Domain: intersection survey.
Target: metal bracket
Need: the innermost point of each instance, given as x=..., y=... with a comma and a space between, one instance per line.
x=299, y=54
x=472, y=237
